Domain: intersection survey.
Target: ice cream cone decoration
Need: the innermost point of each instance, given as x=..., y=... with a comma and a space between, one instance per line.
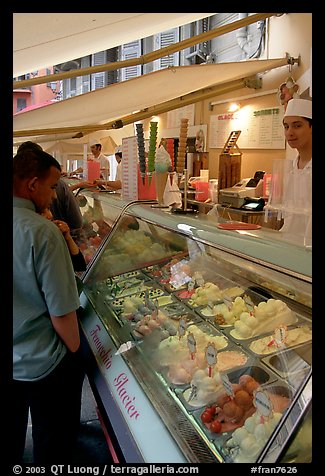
x=141, y=151
x=160, y=181
x=152, y=149
x=162, y=167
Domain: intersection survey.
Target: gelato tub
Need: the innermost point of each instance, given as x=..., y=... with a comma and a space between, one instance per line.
x=295, y=336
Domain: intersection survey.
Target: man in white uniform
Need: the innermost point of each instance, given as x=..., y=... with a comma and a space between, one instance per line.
x=297, y=122
x=116, y=184
x=98, y=156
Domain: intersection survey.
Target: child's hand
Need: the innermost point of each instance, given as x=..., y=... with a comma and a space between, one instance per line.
x=63, y=226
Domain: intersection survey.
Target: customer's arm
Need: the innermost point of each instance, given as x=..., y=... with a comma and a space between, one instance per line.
x=113, y=184
x=82, y=184
x=67, y=328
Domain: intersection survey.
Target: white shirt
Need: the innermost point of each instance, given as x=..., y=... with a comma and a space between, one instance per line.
x=298, y=203
x=118, y=175
x=104, y=165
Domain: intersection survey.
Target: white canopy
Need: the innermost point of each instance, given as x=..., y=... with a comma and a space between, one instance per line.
x=120, y=99
x=42, y=40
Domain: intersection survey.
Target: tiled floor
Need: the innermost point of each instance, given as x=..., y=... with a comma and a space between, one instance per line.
x=92, y=446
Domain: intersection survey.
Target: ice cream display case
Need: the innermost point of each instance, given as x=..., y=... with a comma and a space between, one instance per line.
x=99, y=210
x=198, y=341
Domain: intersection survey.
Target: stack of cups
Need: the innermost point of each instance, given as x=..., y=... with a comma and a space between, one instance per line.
x=152, y=149
x=141, y=151
x=180, y=164
x=213, y=190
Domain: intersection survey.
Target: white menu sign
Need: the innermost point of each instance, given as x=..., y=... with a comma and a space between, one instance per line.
x=129, y=168
x=260, y=129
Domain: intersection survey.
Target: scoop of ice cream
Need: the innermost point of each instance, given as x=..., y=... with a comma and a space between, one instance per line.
x=209, y=292
x=207, y=389
x=162, y=160
x=265, y=318
x=248, y=441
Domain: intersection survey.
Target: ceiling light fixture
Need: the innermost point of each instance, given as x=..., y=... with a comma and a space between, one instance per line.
x=234, y=106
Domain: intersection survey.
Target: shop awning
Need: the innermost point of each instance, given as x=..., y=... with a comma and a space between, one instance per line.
x=41, y=40
x=113, y=102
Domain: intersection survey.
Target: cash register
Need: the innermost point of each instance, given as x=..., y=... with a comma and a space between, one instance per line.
x=244, y=194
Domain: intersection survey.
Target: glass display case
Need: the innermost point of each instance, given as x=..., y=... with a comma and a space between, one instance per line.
x=199, y=340
x=99, y=210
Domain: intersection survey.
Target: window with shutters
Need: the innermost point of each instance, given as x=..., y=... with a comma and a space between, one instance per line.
x=241, y=44
x=130, y=51
x=69, y=87
x=98, y=80
x=21, y=104
x=73, y=87
x=85, y=80
x=162, y=40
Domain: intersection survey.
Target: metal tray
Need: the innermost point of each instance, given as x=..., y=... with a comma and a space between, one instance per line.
x=185, y=393
x=203, y=312
x=154, y=291
x=278, y=388
x=246, y=341
x=259, y=374
x=292, y=365
x=270, y=337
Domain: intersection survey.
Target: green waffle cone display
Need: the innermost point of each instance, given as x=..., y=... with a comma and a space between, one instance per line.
x=152, y=149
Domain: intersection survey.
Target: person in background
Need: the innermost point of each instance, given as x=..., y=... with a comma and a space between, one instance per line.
x=78, y=260
x=64, y=205
x=66, y=208
x=116, y=184
x=98, y=156
x=297, y=123
x=47, y=366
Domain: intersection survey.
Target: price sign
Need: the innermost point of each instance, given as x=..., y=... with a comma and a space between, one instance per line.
x=280, y=336
x=181, y=327
x=227, y=385
x=211, y=354
x=263, y=403
x=199, y=279
x=191, y=344
x=153, y=305
x=146, y=297
x=193, y=393
x=228, y=302
x=190, y=285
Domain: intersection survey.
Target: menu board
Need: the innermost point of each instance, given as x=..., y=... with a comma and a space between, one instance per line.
x=174, y=117
x=129, y=168
x=260, y=129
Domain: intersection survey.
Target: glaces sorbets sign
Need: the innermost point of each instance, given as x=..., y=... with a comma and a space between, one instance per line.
x=128, y=395
x=121, y=380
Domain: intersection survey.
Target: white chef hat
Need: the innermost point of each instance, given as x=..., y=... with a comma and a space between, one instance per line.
x=118, y=149
x=94, y=142
x=299, y=107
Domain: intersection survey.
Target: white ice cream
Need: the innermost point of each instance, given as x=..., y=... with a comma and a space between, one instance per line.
x=265, y=317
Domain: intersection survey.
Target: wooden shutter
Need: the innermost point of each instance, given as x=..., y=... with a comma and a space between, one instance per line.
x=98, y=80
x=130, y=51
x=85, y=80
x=163, y=39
